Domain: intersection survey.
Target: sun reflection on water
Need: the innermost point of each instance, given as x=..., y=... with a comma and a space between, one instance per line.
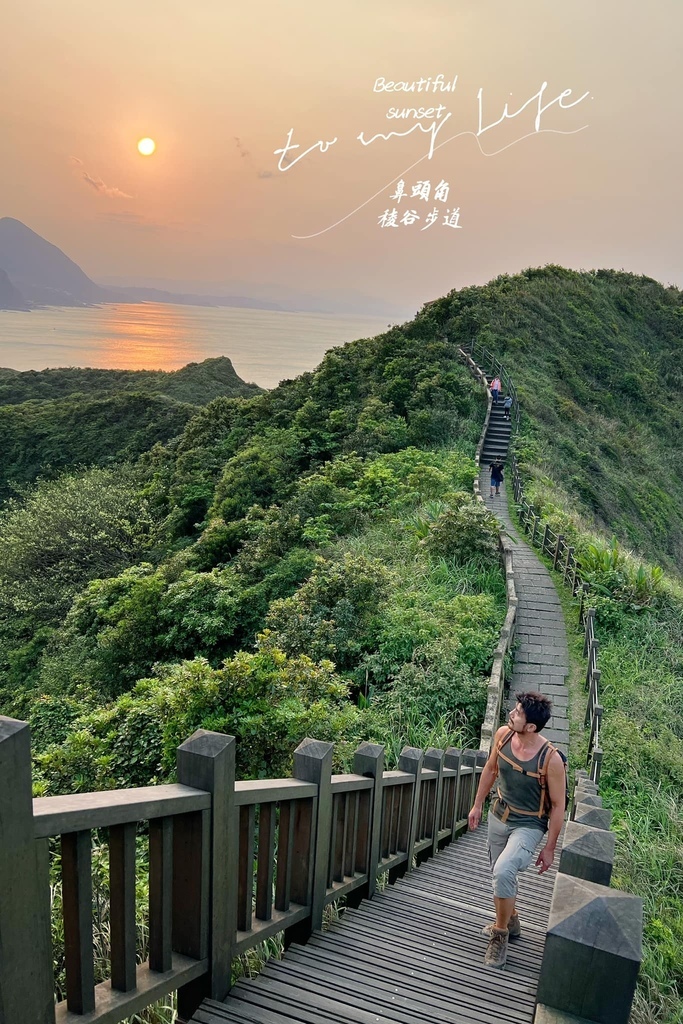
x=161, y=340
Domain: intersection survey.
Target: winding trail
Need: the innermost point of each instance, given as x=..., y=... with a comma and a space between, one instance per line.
x=411, y=955
x=541, y=655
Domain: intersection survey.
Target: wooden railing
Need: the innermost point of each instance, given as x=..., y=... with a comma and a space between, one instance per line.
x=555, y=546
x=230, y=864
x=484, y=358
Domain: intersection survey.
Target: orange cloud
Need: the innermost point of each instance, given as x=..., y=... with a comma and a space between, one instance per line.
x=110, y=191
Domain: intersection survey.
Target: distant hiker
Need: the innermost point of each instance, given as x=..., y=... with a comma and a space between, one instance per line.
x=495, y=389
x=507, y=405
x=530, y=801
x=496, y=476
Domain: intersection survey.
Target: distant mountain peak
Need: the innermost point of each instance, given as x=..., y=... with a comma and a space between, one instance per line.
x=42, y=272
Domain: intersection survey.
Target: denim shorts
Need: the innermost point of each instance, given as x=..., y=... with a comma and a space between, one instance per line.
x=511, y=850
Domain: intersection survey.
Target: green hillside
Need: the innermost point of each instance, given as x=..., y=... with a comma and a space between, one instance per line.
x=598, y=362
x=196, y=383
x=44, y=438
x=52, y=420
x=309, y=561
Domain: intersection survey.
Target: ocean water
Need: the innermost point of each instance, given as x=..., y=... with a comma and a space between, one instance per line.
x=265, y=346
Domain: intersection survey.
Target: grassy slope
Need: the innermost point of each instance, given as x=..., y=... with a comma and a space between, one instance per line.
x=597, y=361
x=196, y=383
x=51, y=420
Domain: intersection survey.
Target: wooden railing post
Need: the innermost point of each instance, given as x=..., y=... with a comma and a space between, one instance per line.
x=468, y=759
x=452, y=760
x=544, y=541
x=369, y=760
x=434, y=759
x=207, y=761
x=589, y=630
x=589, y=970
x=411, y=761
x=26, y=977
x=313, y=763
x=558, y=546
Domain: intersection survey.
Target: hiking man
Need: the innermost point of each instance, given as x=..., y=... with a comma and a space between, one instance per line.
x=530, y=801
x=496, y=476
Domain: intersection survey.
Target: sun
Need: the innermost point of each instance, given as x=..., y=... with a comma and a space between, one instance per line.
x=146, y=146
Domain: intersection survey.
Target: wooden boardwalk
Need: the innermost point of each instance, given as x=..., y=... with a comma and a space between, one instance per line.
x=411, y=954
x=541, y=656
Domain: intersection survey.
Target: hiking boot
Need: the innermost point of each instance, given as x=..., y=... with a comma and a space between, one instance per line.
x=514, y=928
x=497, y=950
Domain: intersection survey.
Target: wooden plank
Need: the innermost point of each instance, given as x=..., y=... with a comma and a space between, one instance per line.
x=191, y=852
x=284, y=856
x=77, y=912
x=428, y=979
x=80, y=812
x=160, y=894
x=113, y=1006
x=333, y=840
x=26, y=978
x=411, y=760
x=261, y=930
x=344, y=837
x=350, y=783
x=432, y=1002
x=246, y=868
x=368, y=760
x=351, y=846
x=362, y=862
x=434, y=759
x=387, y=818
x=207, y=761
x=302, y=851
x=393, y=862
x=313, y=763
x=122, y=906
x=349, y=885
x=261, y=791
x=266, y=862
x=396, y=778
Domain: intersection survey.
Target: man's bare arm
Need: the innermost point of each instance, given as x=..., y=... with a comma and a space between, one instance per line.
x=488, y=777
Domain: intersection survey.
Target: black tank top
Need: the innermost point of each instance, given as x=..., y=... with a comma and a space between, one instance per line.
x=518, y=789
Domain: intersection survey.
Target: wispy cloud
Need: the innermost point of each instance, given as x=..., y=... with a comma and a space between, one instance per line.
x=110, y=191
x=241, y=149
x=246, y=155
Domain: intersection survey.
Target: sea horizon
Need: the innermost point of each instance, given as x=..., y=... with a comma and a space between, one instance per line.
x=264, y=346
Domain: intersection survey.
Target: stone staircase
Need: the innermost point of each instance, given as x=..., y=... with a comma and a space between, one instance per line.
x=498, y=433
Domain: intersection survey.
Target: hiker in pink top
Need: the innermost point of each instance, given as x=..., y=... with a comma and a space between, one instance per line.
x=495, y=389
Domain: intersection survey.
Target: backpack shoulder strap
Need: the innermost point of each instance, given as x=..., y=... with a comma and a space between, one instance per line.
x=544, y=758
x=507, y=735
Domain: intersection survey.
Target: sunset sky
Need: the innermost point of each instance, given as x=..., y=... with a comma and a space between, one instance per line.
x=218, y=86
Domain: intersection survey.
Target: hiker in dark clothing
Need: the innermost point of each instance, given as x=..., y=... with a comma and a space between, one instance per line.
x=529, y=806
x=496, y=476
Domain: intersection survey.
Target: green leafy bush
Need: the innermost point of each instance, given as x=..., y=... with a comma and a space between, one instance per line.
x=463, y=531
